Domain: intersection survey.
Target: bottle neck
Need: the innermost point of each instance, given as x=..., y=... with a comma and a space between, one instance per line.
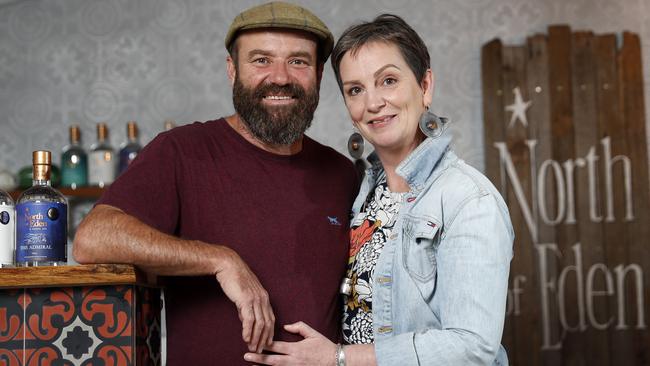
x=41, y=183
x=41, y=175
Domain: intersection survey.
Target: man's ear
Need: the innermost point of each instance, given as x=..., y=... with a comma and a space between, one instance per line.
x=232, y=70
x=319, y=73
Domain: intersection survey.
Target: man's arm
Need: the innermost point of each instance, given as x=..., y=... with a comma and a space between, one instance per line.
x=108, y=235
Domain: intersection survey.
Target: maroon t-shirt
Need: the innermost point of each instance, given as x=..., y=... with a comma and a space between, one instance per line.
x=286, y=216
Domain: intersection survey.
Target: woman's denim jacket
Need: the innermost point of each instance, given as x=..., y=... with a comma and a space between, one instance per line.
x=441, y=281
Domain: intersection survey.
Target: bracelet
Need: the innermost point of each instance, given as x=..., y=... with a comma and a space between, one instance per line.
x=340, y=355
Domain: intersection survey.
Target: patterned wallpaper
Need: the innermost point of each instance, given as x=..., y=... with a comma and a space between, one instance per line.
x=89, y=61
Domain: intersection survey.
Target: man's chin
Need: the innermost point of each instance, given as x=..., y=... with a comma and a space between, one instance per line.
x=279, y=113
x=279, y=109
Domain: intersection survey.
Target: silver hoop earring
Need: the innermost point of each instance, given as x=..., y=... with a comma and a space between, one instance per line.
x=355, y=145
x=432, y=125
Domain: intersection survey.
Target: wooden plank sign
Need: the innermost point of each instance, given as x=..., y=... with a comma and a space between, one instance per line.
x=565, y=143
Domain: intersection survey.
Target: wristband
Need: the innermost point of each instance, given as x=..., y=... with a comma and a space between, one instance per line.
x=340, y=355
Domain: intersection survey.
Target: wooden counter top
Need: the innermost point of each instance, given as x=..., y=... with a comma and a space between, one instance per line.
x=77, y=275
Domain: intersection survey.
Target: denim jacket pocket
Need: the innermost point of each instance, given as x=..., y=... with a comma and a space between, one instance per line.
x=421, y=239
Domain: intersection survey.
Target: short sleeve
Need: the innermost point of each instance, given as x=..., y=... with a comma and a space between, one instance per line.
x=148, y=189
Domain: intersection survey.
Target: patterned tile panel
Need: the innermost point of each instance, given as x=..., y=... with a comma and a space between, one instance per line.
x=80, y=326
x=11, y=327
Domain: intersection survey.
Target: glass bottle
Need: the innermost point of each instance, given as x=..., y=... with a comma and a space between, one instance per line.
x=42, y=219
x=131, y=147
x=101, y=164
x=7, y=229
x=169, y=124
x=74, y=162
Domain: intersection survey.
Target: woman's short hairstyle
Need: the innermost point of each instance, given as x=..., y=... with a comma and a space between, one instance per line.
x=387, y=28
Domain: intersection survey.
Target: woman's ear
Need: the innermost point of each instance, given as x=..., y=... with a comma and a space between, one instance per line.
x=427, y=84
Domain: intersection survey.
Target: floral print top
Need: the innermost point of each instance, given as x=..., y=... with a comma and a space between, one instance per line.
x=366, y=242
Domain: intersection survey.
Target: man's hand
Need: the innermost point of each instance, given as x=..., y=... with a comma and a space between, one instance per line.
x=243, y=288
x=313, y=350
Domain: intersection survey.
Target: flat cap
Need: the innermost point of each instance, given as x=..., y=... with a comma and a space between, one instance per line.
x=279, y=14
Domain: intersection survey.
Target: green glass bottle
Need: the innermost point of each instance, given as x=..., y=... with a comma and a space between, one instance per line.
x=74, y=162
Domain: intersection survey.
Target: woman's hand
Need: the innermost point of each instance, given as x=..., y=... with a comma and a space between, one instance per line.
x=315, y=349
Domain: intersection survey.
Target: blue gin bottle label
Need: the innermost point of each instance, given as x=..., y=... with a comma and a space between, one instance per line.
x=41, y=232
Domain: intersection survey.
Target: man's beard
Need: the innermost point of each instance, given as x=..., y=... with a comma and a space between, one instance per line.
x=276, y=125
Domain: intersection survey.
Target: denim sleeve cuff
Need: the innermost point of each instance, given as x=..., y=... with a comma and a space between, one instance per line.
x=396, y=350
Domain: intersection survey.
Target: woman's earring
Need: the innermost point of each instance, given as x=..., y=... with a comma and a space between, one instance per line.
x=432, y=125
x=355, y=145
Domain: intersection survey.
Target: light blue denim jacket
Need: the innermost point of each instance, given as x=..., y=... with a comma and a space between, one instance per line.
x=440, y=285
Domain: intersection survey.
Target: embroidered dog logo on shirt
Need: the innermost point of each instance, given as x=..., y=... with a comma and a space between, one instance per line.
x=333, y=220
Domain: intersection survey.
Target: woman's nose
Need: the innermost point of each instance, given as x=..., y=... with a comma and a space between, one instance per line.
x=375, y=101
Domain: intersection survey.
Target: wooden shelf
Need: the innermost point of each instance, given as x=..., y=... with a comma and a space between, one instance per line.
x=77, y=275
x=82, y=192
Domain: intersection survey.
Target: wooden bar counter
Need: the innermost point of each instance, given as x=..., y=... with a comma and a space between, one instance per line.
x=104, y=314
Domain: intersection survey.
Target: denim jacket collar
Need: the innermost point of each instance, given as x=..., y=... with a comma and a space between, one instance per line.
x=418, y=166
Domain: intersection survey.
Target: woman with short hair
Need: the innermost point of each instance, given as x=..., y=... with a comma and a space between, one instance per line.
x=431, y=238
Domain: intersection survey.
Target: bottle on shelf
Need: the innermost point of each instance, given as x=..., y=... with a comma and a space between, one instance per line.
x=131, y=147
x=42, y=225
x=169, y=124
x=74, y=162
x=7, y=229
x=101, y=164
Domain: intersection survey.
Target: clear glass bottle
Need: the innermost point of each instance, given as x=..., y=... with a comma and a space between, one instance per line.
x=74, y=162
x=101, y=164
x=7, y=229
x=131, y=147
x=42, y=225
x=169, y=124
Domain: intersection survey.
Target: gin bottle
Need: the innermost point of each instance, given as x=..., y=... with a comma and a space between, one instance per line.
x=7, y=229
x=169, y=124
x=74, y=162
x=101, y=165
x=42, y=219
x=131, y=147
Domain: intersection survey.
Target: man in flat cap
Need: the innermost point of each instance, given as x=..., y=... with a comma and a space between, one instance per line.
x=248, y=200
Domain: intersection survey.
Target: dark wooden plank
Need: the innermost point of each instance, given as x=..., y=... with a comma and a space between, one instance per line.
x=637, y=290
x=611, y=126
x=539, y=129
x=590, y=345
x=494, y=131
x=493, y=113
x=559, y=50
x=526, y=335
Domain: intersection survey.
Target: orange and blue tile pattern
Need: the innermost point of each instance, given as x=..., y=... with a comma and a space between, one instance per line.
x=80, y=326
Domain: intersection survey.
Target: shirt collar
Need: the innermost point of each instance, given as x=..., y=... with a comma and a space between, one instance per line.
x=417, y=167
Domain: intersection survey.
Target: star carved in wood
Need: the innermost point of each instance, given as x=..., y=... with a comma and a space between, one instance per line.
x=518, y=109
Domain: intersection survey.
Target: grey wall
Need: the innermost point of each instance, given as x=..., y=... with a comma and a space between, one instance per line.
x=88, y=61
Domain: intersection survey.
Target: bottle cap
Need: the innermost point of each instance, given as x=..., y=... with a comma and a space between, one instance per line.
x=41, y=159
x=102, y=132
x=132, y=130
x=75, y=134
